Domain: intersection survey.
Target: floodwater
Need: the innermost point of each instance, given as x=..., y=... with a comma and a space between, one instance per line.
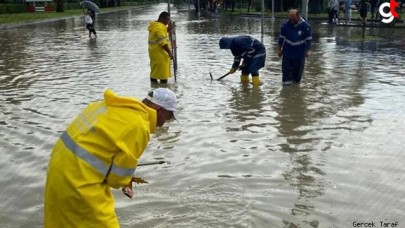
x=325, y=153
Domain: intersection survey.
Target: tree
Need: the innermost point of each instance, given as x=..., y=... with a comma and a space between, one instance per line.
x=249, y=5
x=278, y=5
x=315, y=6
x=60, y=6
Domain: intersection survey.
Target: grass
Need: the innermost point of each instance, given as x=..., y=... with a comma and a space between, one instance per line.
x=30, y=17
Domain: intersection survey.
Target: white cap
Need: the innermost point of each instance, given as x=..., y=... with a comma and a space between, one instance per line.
x=165, y=98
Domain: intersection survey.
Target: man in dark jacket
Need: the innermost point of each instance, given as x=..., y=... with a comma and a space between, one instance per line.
x=251, y=51
x=294, y=44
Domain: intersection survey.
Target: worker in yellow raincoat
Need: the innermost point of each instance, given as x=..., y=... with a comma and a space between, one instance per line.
x=98, y=151
x=159, y=48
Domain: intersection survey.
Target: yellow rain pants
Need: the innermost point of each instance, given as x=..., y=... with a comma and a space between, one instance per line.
x=98, y=151
x=159, y=58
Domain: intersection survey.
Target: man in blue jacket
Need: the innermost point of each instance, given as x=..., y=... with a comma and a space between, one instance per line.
x=294, y=44
x=251, y=51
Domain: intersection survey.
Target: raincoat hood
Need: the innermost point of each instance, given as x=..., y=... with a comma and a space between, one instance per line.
x=225, y=43
x=112, y=99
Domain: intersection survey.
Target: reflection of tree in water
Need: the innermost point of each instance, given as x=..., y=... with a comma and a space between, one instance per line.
x=371, y=39
x=227, y=26
x=246, y=103
x=293, y=115
x=13, y=57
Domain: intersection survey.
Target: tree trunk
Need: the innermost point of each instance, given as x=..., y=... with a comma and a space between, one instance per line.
x=278, y=5
x=314, y=6
x=60, y=6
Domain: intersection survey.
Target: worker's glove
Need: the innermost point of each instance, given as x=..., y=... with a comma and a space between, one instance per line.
x=232, y=70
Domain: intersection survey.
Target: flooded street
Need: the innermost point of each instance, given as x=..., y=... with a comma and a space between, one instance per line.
x=325, y=153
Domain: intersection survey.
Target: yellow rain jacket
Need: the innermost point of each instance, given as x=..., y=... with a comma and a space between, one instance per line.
x=159, y=58
x=99, y=150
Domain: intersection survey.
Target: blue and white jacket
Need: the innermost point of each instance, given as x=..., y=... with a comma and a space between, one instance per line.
x=243, y=47
x=295, y=40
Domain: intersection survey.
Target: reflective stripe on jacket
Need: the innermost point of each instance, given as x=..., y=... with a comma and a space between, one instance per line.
x=294, y=40
x=99, y=150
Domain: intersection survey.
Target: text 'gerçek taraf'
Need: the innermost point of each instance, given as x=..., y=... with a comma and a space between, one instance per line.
x=375, y=224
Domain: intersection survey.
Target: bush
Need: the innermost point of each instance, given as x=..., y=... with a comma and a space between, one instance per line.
x=131, y=3
x=12, y=8
x=257, y=4
x=70, y=6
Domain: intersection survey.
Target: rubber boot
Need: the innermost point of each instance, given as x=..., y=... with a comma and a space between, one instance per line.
x=256, y=80
x=244, y=78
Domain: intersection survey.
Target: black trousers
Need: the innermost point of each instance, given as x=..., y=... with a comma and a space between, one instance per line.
x=332, y=14
x=292, y=70
x=91, y=29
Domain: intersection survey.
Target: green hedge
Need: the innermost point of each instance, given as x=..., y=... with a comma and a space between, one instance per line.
x=131, y=3
x=70, y=6
x=12, y=8
x=8, y=8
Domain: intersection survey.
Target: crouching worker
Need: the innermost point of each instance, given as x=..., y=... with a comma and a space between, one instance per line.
x=251, y=51
x=98, y=151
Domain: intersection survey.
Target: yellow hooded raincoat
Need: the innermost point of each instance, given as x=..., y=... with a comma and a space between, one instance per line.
x=98, y=150
x=159, y=58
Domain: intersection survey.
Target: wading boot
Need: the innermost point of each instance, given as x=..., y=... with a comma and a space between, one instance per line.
x=256, y=80
x=244, y=78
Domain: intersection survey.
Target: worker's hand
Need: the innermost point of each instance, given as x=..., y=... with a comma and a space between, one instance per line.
x=232, y=70
x=128, y=191
x=308, y=53
x=169, y=26
x=170, y=54
x=279, y=53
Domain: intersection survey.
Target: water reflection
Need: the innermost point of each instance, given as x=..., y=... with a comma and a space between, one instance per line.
x=303, y=175
x=92, y=44
x=12, y=62
x=246, y=101
x=242, y=155
x=292, y=114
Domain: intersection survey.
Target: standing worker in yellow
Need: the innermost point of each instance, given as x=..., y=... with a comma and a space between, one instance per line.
x=159, y=48
x=98, y=151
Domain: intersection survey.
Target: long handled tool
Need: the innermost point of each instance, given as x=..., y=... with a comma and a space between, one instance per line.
x=172, y=37
x=152, y=163
x=223, y=76
x=127, y=190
